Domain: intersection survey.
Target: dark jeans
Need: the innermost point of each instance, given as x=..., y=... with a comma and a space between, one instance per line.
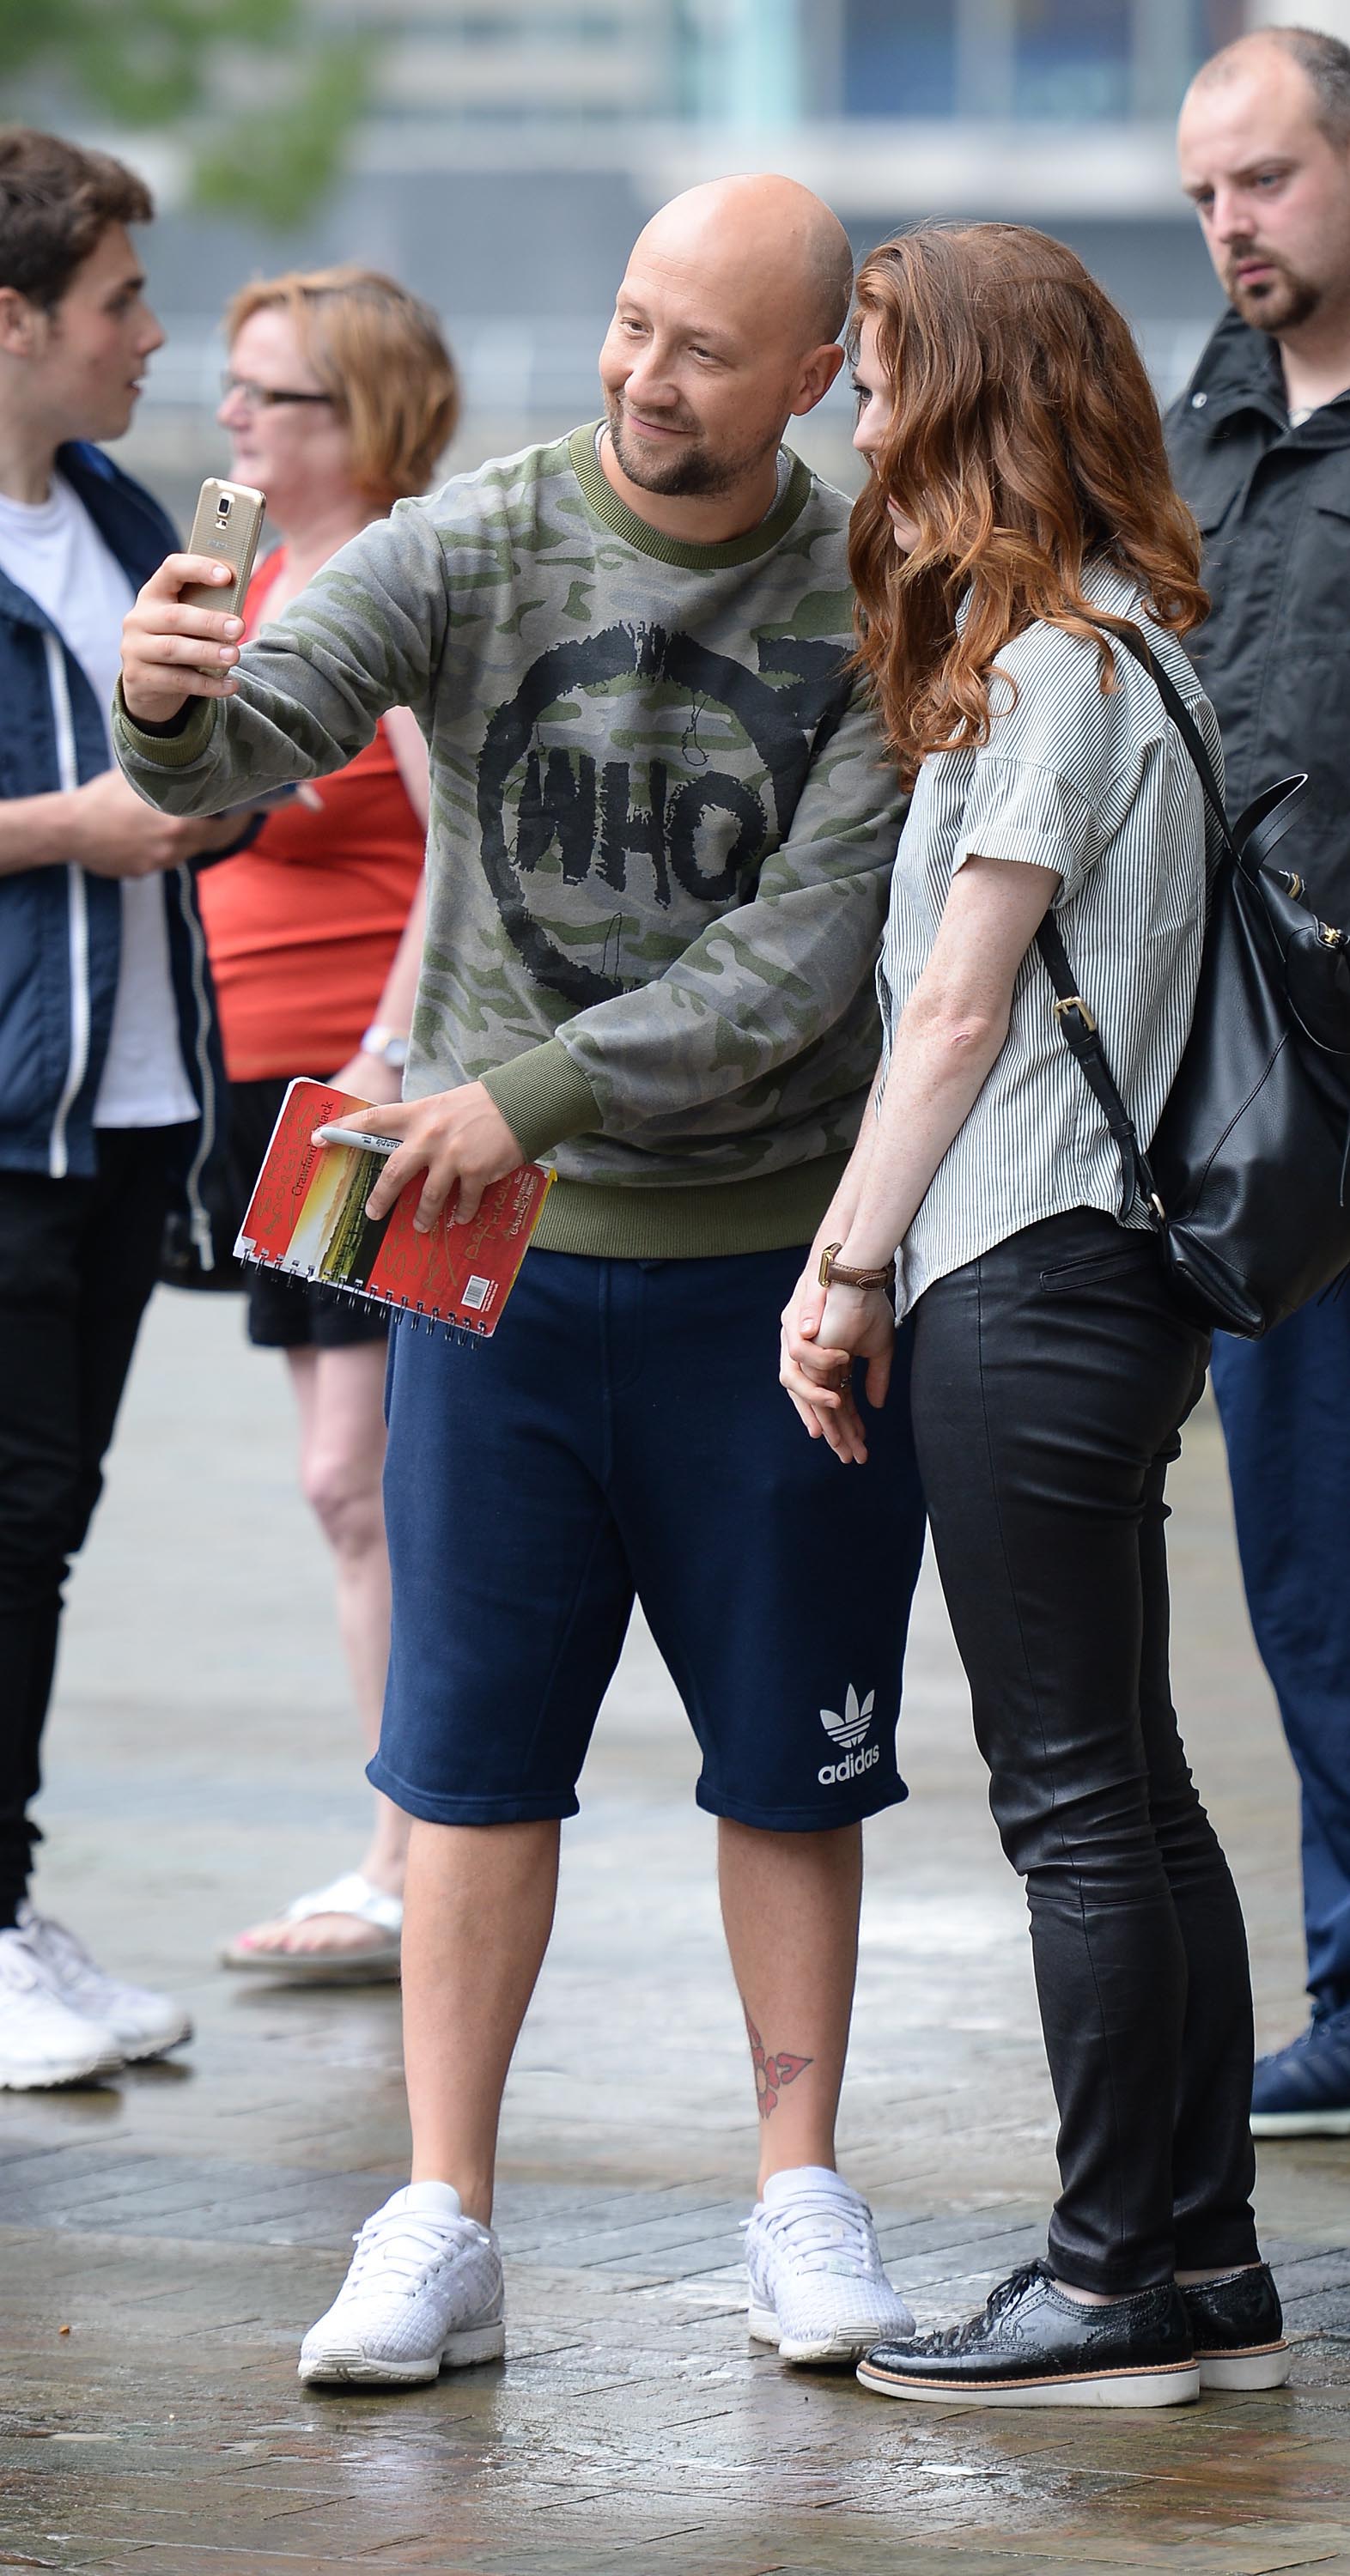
x=1050, y=1380
x=1285, y=1406
x=78, y=1260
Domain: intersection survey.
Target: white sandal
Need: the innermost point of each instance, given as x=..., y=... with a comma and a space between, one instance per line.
x=352, y=1895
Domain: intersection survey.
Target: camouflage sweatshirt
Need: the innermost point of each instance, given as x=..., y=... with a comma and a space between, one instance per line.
x=660, y=840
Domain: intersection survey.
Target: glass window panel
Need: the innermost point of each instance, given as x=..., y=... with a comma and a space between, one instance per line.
x=1217, y=22
x=1072, y=57
x=899, y=60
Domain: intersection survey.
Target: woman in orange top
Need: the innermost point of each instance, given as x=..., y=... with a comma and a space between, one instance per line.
x=339, y=399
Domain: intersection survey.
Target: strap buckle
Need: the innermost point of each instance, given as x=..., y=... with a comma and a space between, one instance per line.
x=832, y=1269
x=1075, y=1002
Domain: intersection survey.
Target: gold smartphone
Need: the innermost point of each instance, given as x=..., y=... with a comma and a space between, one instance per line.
x=228, y=524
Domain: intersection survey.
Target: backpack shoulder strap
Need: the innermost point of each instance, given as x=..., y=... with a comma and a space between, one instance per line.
x=1079, y=1032
x=1077, y=1026
x=1250, y=841
x=1176, y=707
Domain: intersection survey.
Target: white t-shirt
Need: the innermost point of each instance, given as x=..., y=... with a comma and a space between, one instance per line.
x=53, y=551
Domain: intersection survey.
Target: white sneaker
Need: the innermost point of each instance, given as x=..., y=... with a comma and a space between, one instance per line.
x=143, y=2023
x=424, y=2292
x=818, y=2287
x=41, y=2040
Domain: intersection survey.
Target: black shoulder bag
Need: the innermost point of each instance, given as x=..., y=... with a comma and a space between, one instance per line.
x=1245, y=1177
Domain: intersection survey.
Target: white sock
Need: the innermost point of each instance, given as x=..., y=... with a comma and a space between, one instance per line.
x=428, y=2200
x=785, y=2186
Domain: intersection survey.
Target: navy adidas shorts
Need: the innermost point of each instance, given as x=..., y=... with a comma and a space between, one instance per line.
x=624, y=1433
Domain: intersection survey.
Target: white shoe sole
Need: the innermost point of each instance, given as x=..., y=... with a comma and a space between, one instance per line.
x=1268, y=2369
x=47, y=2079
x=138, y=2052
x=763, y=2327
x=1301, y=2124
x=1178, y=2386
x=346, y=2365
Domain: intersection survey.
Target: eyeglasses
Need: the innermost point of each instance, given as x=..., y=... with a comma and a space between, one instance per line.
x=263, y=397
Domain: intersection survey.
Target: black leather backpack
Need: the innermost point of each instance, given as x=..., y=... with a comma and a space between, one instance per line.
x=1245, y=1177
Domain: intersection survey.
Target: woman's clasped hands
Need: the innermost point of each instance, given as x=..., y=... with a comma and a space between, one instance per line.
x=825, y=1333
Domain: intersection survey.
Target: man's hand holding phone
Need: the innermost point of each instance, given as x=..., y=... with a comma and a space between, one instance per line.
x=163, y=660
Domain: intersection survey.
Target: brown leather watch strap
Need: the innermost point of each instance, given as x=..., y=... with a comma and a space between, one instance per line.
x=833, y=1271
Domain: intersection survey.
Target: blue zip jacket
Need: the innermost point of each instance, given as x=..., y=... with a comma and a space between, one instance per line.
x=61, y=927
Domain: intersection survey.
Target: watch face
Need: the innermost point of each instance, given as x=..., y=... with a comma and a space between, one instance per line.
x=384, y=1043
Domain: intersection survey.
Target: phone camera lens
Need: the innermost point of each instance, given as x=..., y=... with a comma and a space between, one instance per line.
x=224, y=506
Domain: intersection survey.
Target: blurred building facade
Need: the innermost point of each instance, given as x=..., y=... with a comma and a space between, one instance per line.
x=757, y=63
x=514, y=147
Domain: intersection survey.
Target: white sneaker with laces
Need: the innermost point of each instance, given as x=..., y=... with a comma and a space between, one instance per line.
x=41, y=2040
x=143, y=2023
x=424, y=2293
x=818, y=2286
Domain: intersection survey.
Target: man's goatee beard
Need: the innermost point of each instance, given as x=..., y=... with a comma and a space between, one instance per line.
x=1285, y=306
x=691, y=476
x=694, y=476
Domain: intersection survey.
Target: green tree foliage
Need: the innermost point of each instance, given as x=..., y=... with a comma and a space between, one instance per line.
x=263, y=102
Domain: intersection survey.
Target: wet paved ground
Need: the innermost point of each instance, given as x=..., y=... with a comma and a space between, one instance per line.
x=165, y=2239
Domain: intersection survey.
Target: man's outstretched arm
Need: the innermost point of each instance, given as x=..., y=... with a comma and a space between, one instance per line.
x=203, y=721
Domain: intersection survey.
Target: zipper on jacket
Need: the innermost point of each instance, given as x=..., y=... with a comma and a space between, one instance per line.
x=77, y=933
x=199, y=1223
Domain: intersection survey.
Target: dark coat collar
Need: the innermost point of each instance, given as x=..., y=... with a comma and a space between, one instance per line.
x=1240, y=371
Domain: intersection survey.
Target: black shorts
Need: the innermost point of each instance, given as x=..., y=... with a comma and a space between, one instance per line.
x=286, y=1314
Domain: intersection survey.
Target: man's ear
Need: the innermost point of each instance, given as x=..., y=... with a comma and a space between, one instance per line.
x=817, y=375
x=23, y=325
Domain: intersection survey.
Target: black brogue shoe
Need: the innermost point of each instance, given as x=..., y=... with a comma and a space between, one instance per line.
x=1035, y=2345
x=1237, y=2325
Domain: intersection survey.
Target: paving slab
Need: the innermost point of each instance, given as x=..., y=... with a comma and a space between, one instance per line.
x=165, y=2239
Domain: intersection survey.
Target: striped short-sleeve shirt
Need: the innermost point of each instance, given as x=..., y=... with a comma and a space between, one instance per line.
x=1100, y=788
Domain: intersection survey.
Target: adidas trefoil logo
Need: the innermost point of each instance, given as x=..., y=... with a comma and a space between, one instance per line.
x=846, y=1734
x=848, y=1730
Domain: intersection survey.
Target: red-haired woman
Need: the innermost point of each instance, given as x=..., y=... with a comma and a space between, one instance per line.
x=1019, y=504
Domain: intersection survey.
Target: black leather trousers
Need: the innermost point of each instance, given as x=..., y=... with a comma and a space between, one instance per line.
x=1051, y=1377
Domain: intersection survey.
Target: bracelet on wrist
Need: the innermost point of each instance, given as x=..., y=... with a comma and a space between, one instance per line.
x=834, y=1273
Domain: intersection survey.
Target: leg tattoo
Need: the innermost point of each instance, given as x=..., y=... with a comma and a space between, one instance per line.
x=771, y=2073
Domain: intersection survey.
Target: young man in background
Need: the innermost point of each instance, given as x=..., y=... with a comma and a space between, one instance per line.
x=108, y=1062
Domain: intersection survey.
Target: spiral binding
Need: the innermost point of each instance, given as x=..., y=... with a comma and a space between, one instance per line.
x=400, y=1310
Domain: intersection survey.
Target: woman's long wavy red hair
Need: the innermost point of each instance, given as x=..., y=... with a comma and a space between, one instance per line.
x=1025, y=440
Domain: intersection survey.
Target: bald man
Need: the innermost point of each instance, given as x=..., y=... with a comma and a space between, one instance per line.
x=1261, y=447
x=661, y=837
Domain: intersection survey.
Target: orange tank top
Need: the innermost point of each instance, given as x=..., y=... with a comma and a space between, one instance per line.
x=303, y=925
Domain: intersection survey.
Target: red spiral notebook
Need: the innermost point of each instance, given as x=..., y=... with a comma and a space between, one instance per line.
x=308, y=1216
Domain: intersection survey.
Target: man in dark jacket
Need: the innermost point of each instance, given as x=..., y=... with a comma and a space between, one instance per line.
x=1261, y=449
x=108, y=1063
